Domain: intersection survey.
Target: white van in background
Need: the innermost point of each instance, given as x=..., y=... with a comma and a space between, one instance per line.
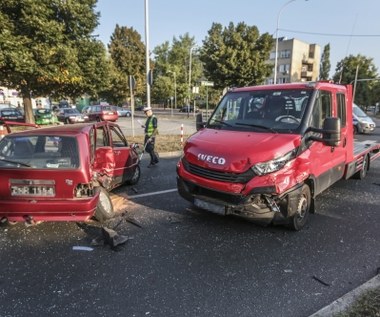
x=362, y=122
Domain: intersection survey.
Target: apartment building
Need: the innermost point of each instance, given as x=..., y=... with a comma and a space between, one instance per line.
x=296, y=61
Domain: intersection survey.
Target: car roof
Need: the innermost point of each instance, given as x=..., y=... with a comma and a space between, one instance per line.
x=66, y=129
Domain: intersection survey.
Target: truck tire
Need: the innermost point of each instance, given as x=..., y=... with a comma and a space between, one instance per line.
x=363, y=171
x=104, y=208
x=136, y=176
x=299, y=220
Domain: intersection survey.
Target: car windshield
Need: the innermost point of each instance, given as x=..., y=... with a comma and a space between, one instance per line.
x=265, y=110
x=39, y=151
x=359, y=112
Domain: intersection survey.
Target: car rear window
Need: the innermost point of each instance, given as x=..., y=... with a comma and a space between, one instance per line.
x=42, y=151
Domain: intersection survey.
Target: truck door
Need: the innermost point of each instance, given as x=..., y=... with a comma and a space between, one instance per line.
x=327, y=162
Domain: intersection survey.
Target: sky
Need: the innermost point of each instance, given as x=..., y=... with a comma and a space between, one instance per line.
x=351, y=27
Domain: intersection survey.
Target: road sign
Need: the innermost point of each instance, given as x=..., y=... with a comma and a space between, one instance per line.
x=207, y=83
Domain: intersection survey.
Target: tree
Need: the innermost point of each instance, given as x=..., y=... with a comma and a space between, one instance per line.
x=171, y=67
x=46, y=48
x=324, y=72
x=236, y=56
x=367, y=74
x=128, y=54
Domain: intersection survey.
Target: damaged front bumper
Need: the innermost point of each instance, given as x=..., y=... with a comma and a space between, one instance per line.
x=262, y=205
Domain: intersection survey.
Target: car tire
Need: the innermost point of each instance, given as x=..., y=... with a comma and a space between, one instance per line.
x=104, y=208
x=299, y=220
x=128, y=114
x=136, y=176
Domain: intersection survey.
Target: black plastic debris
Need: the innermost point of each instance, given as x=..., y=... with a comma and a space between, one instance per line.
x=112, y=238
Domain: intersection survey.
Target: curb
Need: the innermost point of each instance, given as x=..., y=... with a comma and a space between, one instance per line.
x=343, y=303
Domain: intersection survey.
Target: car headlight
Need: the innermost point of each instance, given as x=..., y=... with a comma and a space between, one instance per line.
x=273, y=165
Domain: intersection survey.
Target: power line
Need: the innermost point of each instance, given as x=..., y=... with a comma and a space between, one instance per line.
x=332, y=34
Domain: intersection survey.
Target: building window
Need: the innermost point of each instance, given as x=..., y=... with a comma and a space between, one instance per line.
x=285, y=54
x=284, y=68
x=272, y=55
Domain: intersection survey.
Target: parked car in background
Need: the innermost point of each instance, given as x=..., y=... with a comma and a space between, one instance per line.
x=44, y=116
x=11, y=114
x=70, y=115
x=362, y=122
x=101, y=113
x=188, y=108
x=122, y=112
x=64, y=172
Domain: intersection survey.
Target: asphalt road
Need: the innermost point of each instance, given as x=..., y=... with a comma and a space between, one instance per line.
x=185, y=262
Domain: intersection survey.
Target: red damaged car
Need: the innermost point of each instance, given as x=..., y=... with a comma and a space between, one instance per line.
x=64, y=173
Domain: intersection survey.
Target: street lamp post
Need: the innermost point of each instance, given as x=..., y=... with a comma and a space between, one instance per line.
x=175, y=88
x=191, y=52
x=147, y=54
x=276, y=49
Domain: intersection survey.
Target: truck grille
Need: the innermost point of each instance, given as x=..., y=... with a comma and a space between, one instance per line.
x=227, y=177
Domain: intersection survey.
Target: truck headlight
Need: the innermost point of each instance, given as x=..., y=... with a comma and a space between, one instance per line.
x=273, y=165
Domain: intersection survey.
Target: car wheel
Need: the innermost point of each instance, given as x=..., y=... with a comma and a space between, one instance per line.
x=104, y=208
x=356, y=131
x=128, y=114
x=299, y=220
x=136, y=176
x=363, y=171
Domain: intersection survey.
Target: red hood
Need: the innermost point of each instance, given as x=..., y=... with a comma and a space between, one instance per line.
x=236, y=151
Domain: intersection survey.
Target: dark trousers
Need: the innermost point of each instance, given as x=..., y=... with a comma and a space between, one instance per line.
x=149, y=147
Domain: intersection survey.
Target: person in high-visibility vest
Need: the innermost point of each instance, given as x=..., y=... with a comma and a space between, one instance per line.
x=151, y=130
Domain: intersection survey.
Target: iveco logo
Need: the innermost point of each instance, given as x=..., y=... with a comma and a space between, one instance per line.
x=212, y=159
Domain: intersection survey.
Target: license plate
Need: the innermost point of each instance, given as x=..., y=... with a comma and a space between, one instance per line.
x=32, y=187
x=215, y=208
x=46, y=191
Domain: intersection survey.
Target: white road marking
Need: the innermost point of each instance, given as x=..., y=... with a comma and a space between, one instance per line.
x=153, y=193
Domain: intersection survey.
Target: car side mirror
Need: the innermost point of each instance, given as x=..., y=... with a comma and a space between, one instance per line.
x=199, y=124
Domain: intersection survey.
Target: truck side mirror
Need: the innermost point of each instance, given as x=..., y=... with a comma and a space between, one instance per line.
x=199, y=124
x=330, y=132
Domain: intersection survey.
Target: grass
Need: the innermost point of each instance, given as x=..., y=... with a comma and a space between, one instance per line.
x=164, y=143
x=367, y=305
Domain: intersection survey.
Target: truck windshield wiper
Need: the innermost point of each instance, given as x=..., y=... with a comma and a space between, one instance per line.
x=15, y=162
x=224, y=123
x=257, y=126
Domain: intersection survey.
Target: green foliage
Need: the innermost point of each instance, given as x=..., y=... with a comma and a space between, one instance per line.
x=46, y=48
x=367, y=73
x=236, y=56
x=325, y=63
x=172, y=69
x=128, y=54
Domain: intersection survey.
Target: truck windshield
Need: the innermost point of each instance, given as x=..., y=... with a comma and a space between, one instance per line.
x=261, y=110
x=39, y=151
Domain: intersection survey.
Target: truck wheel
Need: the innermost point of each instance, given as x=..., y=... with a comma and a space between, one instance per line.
x=136, y=176
x=363, y=171
x=104, y=208
x=356, y=131
x=298, y=221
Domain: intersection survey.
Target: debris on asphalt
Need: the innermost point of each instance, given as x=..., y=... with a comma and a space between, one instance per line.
x=135, y=190
x=171, y=220
x=320, y=281
x=112, y=238
x=82, y=248
x=133, y=222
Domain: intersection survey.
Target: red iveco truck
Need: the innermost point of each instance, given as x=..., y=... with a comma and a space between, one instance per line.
x=266, y=152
